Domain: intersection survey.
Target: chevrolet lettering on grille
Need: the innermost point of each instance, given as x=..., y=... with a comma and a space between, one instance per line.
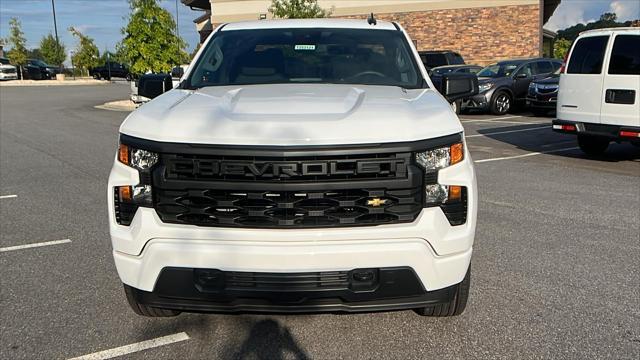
x=205, y=168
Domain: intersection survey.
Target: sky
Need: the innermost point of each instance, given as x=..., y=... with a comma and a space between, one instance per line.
x=103, y=19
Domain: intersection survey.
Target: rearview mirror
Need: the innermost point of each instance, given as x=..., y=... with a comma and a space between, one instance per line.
x=458, y=86
x=154, y=85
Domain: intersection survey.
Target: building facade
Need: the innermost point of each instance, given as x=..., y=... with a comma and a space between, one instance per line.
x=482, y=31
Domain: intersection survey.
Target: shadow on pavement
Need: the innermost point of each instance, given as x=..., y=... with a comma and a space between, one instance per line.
x=268, y=339
x=546, y=140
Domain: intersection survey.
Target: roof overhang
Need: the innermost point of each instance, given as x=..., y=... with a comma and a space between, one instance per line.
x=549, y=8
x=198, y=4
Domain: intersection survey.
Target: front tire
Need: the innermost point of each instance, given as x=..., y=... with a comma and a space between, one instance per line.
x=500, y=103
x=145, y=310
x=455, y=306
x=593, y=145
x=96, y=76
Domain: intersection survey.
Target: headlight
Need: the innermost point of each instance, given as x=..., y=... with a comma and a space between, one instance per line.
x=532, y=85
x=137, y=158
x=484, y=87
x=440, y=158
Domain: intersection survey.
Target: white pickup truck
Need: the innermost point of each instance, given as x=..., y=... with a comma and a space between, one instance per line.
x=299, y=166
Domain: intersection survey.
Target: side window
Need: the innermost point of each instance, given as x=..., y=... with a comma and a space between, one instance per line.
x=587, y=55
x=625, y=56
x=474, y=70
x=526, y=69
x=543, y=67
x=457, y=59
x=556, y=66
x=463, y=71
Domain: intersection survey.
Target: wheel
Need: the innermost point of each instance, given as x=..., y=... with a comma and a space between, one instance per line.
x=145, y=310
x=128, y=77
x=500, y=103
x=454, y=307
x=456, y=106
x=96, y=76
x=106, y=76
x=593, y=145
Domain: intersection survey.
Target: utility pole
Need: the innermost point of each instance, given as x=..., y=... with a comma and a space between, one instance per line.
x=55, y=25
x=177, y=20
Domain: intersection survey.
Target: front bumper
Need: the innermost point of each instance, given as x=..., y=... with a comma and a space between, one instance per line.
x=388, y=289
x=478, y=102
x=8, y=76
x=542, y=102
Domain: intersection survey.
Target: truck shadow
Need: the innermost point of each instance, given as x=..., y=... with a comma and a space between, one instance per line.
x=267, y=339
x=546, y=140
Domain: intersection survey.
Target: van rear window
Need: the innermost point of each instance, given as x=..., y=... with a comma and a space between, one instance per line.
x=625, y=56
x=587, y=55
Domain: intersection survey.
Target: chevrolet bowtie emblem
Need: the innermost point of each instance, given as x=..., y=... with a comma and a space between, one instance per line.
x=376, y=202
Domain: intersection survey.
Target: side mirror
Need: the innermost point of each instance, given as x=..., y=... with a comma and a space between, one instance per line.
x=154, y=85
x=177, y=72
x=522, y=76
x=456, y=86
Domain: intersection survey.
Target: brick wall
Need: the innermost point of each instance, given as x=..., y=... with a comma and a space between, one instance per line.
x=480, y=35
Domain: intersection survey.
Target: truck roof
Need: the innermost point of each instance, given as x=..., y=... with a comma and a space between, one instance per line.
x=611, y=30
x=309, y=23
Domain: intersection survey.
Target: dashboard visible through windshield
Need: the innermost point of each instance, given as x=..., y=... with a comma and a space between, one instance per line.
x=275, y=56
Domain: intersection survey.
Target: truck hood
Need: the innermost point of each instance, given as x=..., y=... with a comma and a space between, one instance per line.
x=293, y=114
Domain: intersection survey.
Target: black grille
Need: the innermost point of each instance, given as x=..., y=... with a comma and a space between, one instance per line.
x=271, y=209
x=287, y=281
x=124, y=211
x=289, y=169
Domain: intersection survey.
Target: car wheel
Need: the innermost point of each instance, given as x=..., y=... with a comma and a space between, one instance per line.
x=96, y=76
x=593, y=145
x=456, y=106
x=455, y=306
x=145, y=310
x=128, y=77
x=500, y=103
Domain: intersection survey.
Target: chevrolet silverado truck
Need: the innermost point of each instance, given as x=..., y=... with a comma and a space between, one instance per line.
x=298, y=166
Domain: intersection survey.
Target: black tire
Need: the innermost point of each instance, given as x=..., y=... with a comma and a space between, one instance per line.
x=96, y=76
x=500, y=103
x=593, y=145
x=454, y=307
x=106, y=76
x=128, y=77
x=145, y=310
x=457, y=106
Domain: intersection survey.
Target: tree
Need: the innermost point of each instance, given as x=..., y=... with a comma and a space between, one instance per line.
x=560, y=48
x=607, y=20
x=18, y=53
x=34, y=53
x=297, y=9
x=86, y=54
x=150, y=42
x=608, y=17
x=53, y=52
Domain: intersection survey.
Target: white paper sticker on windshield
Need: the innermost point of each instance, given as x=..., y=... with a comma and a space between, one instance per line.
x=305, y=47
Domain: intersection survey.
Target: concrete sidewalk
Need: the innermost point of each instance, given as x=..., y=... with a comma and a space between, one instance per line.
x=67, y=82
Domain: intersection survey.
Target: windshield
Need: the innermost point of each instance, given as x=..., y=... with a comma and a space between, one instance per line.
x=497, y=70
x=39, y=63
x=4, y=61
x=341, y=56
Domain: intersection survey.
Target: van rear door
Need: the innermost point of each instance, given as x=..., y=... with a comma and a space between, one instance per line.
x=580, y=95
x=621, y=90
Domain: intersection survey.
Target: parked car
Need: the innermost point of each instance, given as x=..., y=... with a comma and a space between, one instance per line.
x=435, y=58
x=39, y=70
x=281, y=184
x=507, y=82
x=436, y=76
x=543, y=95
x=599, y=97
x=110, y=70
x=7, y=71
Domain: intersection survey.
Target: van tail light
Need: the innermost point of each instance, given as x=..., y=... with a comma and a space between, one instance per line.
x=633, y=134
x=564, y=127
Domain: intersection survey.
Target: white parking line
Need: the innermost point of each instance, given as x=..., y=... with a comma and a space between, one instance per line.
x=35, y=245
x=508, y=132
x=501, y=122
x=524, y=155
x=8, y=196
x=139, y=346
x=491, y=119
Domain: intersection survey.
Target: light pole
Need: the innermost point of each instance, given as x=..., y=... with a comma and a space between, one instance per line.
x=177, y=20
x=55, y=26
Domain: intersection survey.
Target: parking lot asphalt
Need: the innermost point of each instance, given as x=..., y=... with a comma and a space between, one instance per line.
x=555, y=271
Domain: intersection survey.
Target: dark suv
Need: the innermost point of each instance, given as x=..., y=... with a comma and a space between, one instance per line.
x=503, y=83
x=435, y=58
x=39, y=70
x=109, y=70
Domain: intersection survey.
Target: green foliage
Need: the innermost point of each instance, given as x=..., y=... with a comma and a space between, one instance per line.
x=560, y=48
x=297, y=9
x=607, y=20
x=18, y=53
x=34, y=54
x=150, y=42
x=53, y=53
x=87, y=54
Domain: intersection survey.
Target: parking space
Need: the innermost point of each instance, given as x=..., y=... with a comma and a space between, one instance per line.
x=555, y=269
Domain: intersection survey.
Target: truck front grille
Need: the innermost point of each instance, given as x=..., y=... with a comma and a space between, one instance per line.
x=288, y=209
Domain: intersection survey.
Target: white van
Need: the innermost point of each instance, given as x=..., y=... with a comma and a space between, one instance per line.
x=599, y=87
